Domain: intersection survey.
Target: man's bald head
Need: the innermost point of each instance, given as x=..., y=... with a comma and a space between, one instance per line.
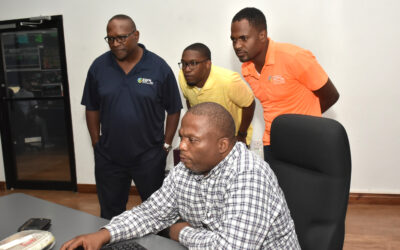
x=219, y=118
x=123, y=17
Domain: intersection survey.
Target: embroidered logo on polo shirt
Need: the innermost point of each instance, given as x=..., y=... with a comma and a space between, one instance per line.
x=276, y=79
x=145, y=81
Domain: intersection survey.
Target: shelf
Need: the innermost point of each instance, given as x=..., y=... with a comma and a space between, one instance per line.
x=31, y=69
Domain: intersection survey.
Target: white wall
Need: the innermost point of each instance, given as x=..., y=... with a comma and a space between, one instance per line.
x=357, y=42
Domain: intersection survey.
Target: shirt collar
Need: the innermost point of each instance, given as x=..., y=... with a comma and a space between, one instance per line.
x=210, y=80
x=139, y=44
x=138, y=65
x=270, y=56
x=248, y=68
x=143, y=47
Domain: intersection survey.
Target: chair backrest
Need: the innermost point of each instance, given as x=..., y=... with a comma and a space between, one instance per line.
x=311, y=159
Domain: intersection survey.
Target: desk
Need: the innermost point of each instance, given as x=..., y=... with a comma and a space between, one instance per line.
x=66, y=223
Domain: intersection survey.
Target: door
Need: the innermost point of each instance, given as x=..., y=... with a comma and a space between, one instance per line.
x=36, y=131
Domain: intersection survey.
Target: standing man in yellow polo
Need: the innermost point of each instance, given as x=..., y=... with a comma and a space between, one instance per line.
x=201, y=81
x=284, y=77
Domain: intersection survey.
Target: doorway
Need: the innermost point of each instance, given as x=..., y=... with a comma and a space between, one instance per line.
x=36, y=127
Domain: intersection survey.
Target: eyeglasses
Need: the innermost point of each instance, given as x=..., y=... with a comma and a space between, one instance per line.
x=191, y=64
x=119, y=39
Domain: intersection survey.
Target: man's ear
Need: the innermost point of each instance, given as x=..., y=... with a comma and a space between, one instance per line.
x=223, y=145
x=262, y=35
x=208, y=64
x=137, y=35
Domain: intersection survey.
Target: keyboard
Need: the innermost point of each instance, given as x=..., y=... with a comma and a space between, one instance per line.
x=124, y=245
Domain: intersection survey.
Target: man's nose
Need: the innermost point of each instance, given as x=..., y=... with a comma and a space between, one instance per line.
x=186, y=68
x=182, y=145
x=237, y=45
x=114, y=43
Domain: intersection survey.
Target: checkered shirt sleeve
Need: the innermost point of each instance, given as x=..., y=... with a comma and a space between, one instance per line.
x=153, y=215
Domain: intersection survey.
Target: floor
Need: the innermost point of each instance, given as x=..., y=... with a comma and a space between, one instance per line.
x=43, y=164
x=372, y=227
x=367, y=226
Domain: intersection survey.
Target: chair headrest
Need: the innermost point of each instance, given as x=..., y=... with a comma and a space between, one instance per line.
x=315, y=142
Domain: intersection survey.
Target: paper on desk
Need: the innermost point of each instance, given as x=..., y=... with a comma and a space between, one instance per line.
x=28, y=240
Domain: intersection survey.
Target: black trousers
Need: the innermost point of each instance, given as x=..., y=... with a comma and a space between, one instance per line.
x=113, y=180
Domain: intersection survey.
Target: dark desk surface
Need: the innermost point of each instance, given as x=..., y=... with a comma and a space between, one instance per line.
x=66, y=223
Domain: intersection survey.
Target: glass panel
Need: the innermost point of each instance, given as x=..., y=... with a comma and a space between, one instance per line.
x=40, y=141
x=36, y=107
x=32, y=59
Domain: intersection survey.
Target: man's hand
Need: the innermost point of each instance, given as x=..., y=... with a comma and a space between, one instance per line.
x=176, y=228
x=93, y=241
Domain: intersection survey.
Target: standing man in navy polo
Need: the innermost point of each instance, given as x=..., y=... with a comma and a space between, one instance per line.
x=127, y=92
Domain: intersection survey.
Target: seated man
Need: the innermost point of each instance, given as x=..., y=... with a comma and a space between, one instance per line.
x=224, y=196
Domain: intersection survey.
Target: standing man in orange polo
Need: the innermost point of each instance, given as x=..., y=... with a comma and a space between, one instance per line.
x=284, y=77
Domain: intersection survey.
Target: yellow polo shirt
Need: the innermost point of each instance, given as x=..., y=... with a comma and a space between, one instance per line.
x=224, y=87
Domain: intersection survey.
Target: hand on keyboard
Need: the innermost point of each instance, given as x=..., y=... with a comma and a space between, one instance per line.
x=124, y=245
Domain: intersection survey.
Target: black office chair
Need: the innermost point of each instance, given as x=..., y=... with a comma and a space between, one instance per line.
x=311, y=159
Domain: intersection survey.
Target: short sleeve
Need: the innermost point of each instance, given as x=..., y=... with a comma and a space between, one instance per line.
x=182, y=84
x=239, y=92
x=308, y=71
x=90, y=96
x=171, y=97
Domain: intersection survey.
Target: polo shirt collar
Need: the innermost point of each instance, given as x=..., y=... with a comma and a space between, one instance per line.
x=270, y=56
x=145, y=51
x=210, y=80
x=143, y=47
x=114, y=61
x=248, y=68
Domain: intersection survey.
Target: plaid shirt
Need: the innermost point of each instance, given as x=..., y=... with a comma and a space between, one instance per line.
x=237, y=205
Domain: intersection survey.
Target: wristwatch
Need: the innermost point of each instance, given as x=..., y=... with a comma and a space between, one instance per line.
x=167, y=147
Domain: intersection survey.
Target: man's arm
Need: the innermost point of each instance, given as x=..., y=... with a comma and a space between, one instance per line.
x=88, y=241
x=176, y=228
x=328, y=95
x=241, y=95
x=93, y=124
x=153, y=215
x=247, y=117
x=172, y=103
x=156, y=213
x=171, y=126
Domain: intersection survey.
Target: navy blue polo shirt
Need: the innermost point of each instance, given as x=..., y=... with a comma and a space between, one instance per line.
x=132, y=106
